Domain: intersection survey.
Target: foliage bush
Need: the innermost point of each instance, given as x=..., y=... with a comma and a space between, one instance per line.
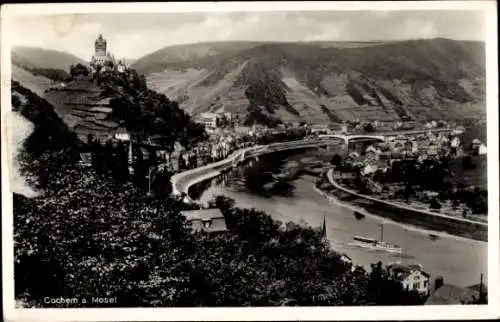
x=145, y=112
x=434, y=204
x=89, y=236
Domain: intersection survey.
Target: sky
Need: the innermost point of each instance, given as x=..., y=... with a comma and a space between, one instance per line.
x=133, y=35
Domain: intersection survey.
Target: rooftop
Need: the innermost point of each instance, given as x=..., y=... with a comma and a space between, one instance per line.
x=203, y=214
x=404, y=271
x=207, y=220
x=451, y=294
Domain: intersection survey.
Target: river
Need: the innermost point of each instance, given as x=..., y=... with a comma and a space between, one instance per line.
x=460, y=261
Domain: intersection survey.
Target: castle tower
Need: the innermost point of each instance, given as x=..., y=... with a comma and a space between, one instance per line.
x=100, y=52
x=100, y=47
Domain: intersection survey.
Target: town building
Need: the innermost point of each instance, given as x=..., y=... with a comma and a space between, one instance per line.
x=209, y=120
x=476, y=143
x=481, y=149
x=412, y=277
x=346, y=259
x=319, y=128
x=455, y=142
x=369, y=169
x=446, y=294
x=458, y=130
x=122, y=135
x=210, y=221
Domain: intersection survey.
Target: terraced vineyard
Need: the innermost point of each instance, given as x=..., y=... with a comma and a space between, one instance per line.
x=82, y=107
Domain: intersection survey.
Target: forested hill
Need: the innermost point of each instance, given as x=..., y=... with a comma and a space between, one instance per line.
x=100, y=105
x=51, y=64
x=332, y=81
x=33, y=57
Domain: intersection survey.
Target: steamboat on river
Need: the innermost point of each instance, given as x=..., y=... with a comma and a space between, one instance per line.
x=375, y=244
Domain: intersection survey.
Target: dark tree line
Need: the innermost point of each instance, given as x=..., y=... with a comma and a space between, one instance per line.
x=90, y=236
x=110, y=159
x=148, y=113
x=434, y=175
x=282, y=136
x=78, y=70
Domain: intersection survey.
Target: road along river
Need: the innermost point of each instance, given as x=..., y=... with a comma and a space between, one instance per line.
x=460, y=261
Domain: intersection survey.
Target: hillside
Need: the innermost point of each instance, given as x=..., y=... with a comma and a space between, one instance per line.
x=49, y=130
x=116, y=101
x=325, y=81
x=36, y=83
x=32, y=57
x=82, y=108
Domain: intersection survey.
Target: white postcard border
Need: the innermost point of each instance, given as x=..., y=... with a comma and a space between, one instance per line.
x=255, y=313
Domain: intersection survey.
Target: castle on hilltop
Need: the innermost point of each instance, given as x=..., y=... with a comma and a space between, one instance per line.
x=103, y=60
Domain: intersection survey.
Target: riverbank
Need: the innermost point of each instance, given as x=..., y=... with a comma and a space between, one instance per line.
x=430, y=220
x=400, y=213
x=459, y=260
x=181, y=182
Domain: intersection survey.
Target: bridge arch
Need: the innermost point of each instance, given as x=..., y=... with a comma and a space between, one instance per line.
x=380, y=138
x=342, y=137
x=347, y=138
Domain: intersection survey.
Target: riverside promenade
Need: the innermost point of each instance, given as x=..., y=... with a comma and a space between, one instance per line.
x=181, y=182
x=426, y=219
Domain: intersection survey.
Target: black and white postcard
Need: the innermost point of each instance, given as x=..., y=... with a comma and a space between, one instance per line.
x=250, y=161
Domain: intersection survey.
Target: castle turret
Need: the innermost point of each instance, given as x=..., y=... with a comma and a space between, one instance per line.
x=100, y=51
x=100, y=46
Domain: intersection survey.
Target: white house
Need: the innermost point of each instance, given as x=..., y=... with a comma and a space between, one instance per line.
x=414, y=147
x=455, y=142
x=458, y=130
x=121, y=68
x=476, y=143
x=346, y=259
x=122, y=135
x=412, y=277
x=209, y=120
x=369, y=169
x=482, y=149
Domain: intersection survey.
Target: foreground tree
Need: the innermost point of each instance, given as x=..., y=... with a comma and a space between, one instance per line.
x=91, y=236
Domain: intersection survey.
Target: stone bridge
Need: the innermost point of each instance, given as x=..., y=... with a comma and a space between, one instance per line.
x=355, y=137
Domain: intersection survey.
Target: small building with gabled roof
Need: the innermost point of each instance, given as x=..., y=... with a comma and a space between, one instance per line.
x=210, y=221
x=412, y=277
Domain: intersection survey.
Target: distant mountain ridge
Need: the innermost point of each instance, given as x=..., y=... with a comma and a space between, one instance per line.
x=324, y=81
x=34, y=57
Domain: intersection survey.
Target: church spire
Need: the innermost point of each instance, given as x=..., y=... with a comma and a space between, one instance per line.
x=323, y=229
